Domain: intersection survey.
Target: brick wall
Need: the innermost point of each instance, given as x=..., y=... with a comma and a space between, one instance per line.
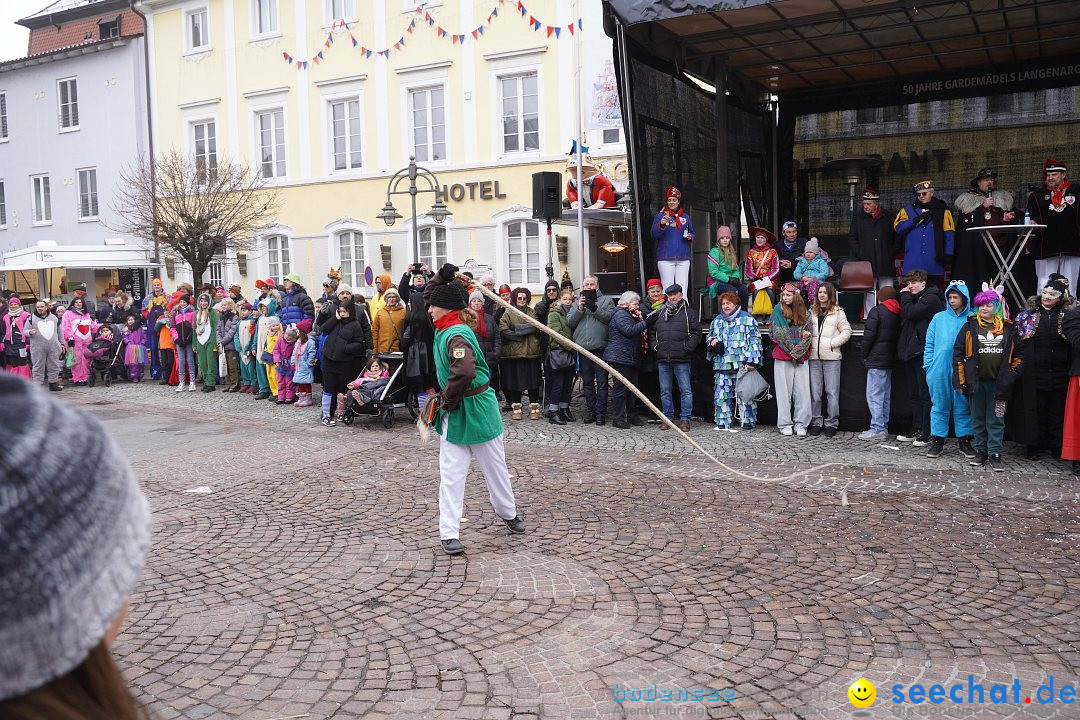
x=74, y=32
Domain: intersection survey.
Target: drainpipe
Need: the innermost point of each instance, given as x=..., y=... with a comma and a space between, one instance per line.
x=149, y=133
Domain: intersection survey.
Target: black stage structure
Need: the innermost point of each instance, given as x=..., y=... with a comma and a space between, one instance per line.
x=741, y=104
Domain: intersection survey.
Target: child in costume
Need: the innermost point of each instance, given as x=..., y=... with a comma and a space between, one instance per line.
x=205, y=343
x=267, y=309
x=987, y=360
x=153, y=307
x=734, y=343
x=283, y=364
x=369, y=384
x=303, y=360
x=811, y=270
x=134, y=349
x=182, y=327
x=266, y=356
x=761, y=271
x=938, y=365
x=244, y=342
x=46, y=345
x=101, y=347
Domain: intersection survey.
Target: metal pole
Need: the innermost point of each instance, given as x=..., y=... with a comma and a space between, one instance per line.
x=412, y=195
x=774, y=108
x=577, y=96
x=631, y=152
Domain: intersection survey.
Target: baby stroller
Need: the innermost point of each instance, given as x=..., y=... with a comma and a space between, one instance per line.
x=105, y=358
x=395, y=395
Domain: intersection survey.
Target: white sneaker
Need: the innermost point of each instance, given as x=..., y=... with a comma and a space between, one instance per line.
x=180, y=387
x=192, y=388
x=905, y=438
x=872, y=435
x=800, y=431
x=785, y=431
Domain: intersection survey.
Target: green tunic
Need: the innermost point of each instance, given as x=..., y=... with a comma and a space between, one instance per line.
x=476, y=419
x=206, y=352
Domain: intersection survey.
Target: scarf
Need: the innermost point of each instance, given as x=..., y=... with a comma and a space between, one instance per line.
x=669, y=308
x=636, y=314
x=936, y=207
x=449, y=320
x=788, y=336
x=1057, y=195
x=481, y=326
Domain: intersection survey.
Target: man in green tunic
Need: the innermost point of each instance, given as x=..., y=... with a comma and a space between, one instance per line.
x=469, y=422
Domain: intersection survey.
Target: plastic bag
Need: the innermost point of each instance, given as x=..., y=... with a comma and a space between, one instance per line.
x=751, y=387
x=69, y=358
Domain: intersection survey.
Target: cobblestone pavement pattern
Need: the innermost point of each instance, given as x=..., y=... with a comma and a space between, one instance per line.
x=308, y=583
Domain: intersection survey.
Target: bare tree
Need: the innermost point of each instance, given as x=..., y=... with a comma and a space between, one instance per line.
x=197, y=212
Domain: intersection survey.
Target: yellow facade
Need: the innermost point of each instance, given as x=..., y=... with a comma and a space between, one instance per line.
x=226, y=72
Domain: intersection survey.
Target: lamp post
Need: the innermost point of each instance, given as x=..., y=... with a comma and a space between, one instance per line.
x=439, y=212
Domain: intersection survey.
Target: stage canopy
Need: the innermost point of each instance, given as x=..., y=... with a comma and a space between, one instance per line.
x=736, y=101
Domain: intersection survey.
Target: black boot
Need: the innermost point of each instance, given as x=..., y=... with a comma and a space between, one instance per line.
x=55, y=387
x=555, y=417
x=590, y=418
x=566, y=414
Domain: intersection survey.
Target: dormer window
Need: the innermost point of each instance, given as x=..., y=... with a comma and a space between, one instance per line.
x=109, y=27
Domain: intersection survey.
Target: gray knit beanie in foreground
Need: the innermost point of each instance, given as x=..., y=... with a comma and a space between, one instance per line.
x=74, y=530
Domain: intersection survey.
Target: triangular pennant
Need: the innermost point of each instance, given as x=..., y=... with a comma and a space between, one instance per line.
x=480, y=29
x=409, y=29
x=536, y=25
x=386, y=53
x=315, y=59
x=412, y=23
x=354, y=41
x=286, y=56
x=557, y=31
x=462, y=40
x=579, y=23
x=427, y=16
x=550, y=30
x=495, y=11
x=521, y=7
x=397, y=46
x=453, y=39
x=305, y=65
x=326, y=45
x=440, y=32
x=532, y=20
x=476, y=33
x=367, y=54
x=320, y=55
x=570, y=27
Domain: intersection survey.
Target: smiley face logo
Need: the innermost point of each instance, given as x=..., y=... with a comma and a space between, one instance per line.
x=862, y=693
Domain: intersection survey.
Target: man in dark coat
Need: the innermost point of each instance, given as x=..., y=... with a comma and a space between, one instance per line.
x=918, y=305
x=789, y=248
x=871, y=239
x=1039, y=404
x=675, y=336
x=1057, y=206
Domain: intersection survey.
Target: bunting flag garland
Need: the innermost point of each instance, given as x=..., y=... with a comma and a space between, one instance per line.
x=441, y=32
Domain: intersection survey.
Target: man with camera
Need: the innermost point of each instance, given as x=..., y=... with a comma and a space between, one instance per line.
x=588, y=319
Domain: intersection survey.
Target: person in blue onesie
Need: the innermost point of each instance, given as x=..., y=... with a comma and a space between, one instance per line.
x=937, y=362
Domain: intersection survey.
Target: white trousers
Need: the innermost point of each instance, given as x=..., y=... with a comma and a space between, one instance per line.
x=675, y=271
x=454, y=461
x=792, y=384
x=1064, y=264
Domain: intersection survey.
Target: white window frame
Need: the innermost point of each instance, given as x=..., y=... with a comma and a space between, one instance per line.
x=193, y=143
x=79, y=195
x=333, y=245
x=46, y=197
x=221, y=261
x=285, y=266
x=3, y=205
x=4, y=130
x=274, y=10
x=330, y=101
x=427, y=224
x=501, y=136
x=504, y=252
x=348, y=8
x=505, y=64
x=355, y=277
x=427, y=88
x=189, y=46
x=276, y=159
x=73, y=105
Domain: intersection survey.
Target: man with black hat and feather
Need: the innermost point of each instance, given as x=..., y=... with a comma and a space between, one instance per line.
x=468, y=419
x=979, y=206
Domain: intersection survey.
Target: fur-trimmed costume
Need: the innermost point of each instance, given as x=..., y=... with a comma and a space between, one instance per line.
x=46, y=347
x=1038, y=405
x=972, y=261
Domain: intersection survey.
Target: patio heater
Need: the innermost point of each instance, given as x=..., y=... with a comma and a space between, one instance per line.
x=853, y=170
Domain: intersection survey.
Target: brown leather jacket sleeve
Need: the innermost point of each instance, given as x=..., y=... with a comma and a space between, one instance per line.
x=462, y=372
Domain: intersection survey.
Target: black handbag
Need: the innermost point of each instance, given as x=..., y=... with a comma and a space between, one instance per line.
x=267, y=357
x=559, y=358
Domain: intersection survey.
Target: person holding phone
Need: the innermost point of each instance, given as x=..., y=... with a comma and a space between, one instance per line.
x=674, y=236
x=588, y=318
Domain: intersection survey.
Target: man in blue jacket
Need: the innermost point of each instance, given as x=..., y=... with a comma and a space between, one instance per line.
x=937, y=361
x=926, y=227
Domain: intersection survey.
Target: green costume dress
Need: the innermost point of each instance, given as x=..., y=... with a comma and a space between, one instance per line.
x=205, y=345
x=476, y=419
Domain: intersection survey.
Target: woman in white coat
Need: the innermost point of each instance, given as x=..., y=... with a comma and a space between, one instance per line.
x=830, y=331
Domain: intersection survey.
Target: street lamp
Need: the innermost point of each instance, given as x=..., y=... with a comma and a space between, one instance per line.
x=439, y=212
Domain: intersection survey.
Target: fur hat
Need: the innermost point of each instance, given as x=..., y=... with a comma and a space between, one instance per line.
x=391, y=291
x=75, y=529
x=343, y=288
x=1057, y=282
x=517, y=291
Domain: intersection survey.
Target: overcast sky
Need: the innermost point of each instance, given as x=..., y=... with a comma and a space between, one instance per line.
x=13, y=37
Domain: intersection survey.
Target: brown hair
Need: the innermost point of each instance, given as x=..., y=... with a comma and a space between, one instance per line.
x=469, y=317
x=795, y=313
x=886, y=293
x=94, y=690
x=916, y=276
x=831, y=290
x=731, y=297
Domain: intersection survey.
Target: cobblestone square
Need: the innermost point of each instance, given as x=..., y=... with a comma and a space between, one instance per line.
x=308, y=582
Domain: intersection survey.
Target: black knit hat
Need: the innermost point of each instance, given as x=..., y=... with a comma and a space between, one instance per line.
x=450, y=296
